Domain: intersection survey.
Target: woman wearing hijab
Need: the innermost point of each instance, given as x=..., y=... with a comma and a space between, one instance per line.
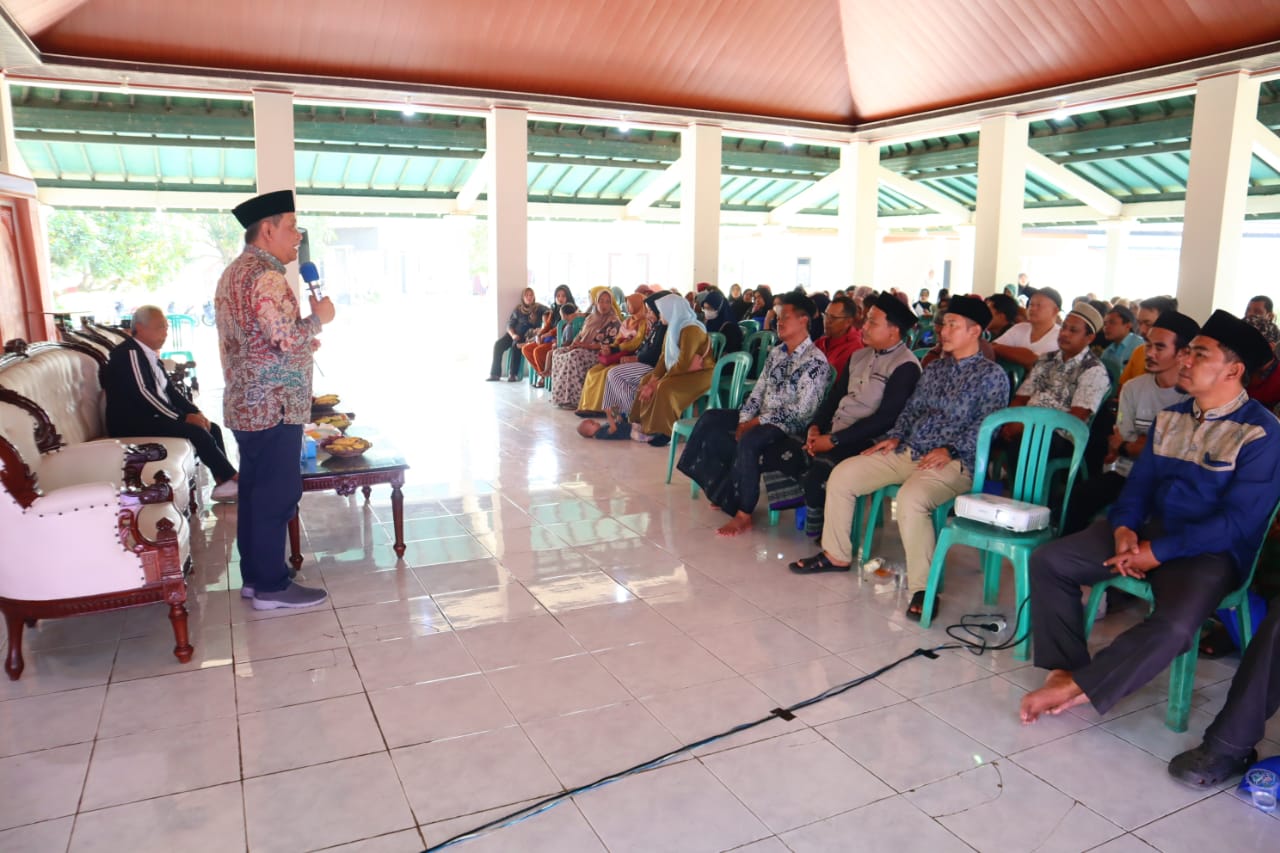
x=717, y=316
x=762, y=305
x=623, y=381
x=536, y=351
x=1264, y=385
x=682, y=375
x=525, y=318
x=630, y=337
x=569, y=366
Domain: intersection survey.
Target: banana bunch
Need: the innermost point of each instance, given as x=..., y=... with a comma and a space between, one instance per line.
x=347, y=446
x=326, y=401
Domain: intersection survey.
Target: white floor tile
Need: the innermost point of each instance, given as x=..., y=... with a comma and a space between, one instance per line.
x=153, y=764
x=302, y=735
x=1220, y=822
x=278, y=682
x=563, y=829
x=906, y=746
x=678, y=808
x=325, y=805
x=168, y=701
x=51, y=719
x=211, y=819
x=292, y=634
x=42, y=785
x=1000, y=806
x=987, y=711
x=794, y=683
x=440, y=709
x=532, y=640
x=38, y=837
x=590, y=745
x=759, y=645
x=610, y=625
x=1075, y=765
x=658, y=667
x=537, y=691
x=485, y=606
x=796, y=779
x=411, y=660
x=892, y=824
x=459, y=776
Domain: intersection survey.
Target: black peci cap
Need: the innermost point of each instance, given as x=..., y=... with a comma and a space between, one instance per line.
x=260, y=207
x=899, y=314
x=972, y=307
x=1239, y=337
x=1182, y=326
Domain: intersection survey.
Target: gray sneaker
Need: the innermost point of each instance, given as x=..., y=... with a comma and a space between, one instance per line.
x=293, y=595
x=246, y=591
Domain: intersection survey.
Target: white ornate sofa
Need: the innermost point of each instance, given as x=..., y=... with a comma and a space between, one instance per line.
x=81, y=533
x=58, y=386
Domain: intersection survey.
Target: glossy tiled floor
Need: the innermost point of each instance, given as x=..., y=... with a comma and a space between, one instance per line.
x=561, y=614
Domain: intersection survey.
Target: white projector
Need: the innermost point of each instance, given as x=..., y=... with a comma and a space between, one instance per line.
x=1018, y=516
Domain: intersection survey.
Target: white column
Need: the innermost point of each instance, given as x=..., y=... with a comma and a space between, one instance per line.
x=273, y=150
x=859, y=207
x=1117, y=231
x=1222, y=133
x=1002, y=176
x=10, y=158
x=699, y=207
x=507, y=150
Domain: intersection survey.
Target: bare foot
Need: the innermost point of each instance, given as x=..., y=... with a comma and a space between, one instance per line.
x=740, y=523
x=1059, y=693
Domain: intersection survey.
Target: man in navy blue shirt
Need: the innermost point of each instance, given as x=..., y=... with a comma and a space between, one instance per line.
x=1188, y=521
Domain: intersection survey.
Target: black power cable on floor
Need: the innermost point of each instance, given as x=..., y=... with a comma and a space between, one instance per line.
x=976, y=643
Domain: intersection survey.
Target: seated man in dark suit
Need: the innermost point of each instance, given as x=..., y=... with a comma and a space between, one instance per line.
x=142, y=401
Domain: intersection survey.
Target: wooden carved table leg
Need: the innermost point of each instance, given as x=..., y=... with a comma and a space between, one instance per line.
x=397, y=513
x=368, y=490
x=295, y=542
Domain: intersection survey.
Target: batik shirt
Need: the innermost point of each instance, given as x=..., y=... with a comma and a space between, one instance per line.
x=790, y=389
x=1079, y=382
x=950, y=402
x=265, y=345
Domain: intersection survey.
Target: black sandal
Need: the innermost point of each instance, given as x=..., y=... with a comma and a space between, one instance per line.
x=916, y=608
x=820, y=562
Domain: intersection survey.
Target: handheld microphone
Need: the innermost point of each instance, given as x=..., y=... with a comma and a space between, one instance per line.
x=311, y=276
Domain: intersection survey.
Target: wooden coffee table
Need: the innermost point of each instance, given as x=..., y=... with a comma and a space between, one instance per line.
x=380, y=464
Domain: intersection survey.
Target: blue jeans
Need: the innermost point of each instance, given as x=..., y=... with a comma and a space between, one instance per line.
x=270, y=488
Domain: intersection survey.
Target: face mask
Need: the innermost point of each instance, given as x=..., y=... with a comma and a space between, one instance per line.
x=777, y=309
x=710, y=313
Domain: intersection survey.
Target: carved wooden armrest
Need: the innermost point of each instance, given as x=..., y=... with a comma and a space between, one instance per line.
x=161, y=557
x=135, y=457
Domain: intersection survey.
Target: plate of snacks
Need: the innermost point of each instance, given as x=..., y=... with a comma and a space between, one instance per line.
x=337, y=420
x=325, y=401
x=346, y=447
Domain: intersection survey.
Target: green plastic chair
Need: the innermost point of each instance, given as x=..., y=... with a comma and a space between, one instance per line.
x=566, y=331
x=1015, y=372
x=737, y=363
x=1182, y=672
x=1031, y=483
x=718, y=342
x=758, y=345
x=921, y=352
x=748, y=327
x=180, y=326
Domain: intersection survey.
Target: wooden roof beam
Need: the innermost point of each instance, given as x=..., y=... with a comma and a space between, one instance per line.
x=639, y=206
x=476, y=183
x=1063, y=178
x=806, y=198
x=952, y=211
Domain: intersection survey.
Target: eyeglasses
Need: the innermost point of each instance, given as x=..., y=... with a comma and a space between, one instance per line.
x=831, y=316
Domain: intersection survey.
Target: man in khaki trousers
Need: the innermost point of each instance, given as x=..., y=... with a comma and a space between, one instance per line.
x=929, y=452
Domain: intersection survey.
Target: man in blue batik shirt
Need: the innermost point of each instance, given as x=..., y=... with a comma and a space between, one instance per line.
x=723, y=454
x=1189, y=521
x=929, y=452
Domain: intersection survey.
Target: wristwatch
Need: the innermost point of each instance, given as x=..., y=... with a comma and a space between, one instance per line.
x=835, y=439
x=951, y=449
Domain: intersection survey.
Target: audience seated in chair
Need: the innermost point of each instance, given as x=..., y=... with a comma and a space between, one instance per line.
x=1140, y=400
x=569, y=365
x=632, y=335
x=524, y=322
x=1188, y=521
x=1070, y=379
x=842, y=338
x=141, y=400
x=1023, y=343
x=1264, y=385
x=929, y=452
x=1118, y=329
x=1149, y=310
x=717, y=317
x=623, y=380
x=682, y=375
x=537, y=350
x=724, y=450
x=880, y=379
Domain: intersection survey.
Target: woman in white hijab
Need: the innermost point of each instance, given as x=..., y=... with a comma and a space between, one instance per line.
x=682, y=375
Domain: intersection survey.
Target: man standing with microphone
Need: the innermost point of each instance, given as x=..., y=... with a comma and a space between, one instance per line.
x=266, y=348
